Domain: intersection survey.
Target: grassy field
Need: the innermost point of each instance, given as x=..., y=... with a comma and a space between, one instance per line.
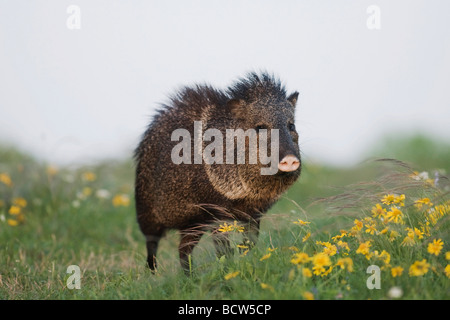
x=317, y=242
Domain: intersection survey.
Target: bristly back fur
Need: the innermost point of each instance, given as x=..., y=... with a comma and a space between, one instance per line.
x=251, y=88
x=256, y=86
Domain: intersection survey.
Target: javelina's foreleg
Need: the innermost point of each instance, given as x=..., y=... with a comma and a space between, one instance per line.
x=189, y=239
x=152, y=247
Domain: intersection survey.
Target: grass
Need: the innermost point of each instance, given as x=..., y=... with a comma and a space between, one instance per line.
x=51, y=218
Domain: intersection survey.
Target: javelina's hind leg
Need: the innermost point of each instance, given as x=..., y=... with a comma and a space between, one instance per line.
x=152, y=247
x=189, y=239
x=222, y=244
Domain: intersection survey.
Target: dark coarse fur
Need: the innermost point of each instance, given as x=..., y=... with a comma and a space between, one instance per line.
x=190, y=197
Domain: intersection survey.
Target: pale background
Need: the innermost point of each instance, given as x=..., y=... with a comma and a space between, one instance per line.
x=77, y=96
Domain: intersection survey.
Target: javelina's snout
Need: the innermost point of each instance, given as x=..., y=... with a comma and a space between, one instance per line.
x=289, y=163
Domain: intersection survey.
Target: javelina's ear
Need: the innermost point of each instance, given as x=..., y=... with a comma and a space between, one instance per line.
x=293, y=98
x=237, y=108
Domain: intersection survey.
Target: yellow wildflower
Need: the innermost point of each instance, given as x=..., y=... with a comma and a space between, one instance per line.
x=326, y=272
x=447, y=271
x=371, y=228
x=369, y=255
x=447, y=255
x=341, y=263
x=378, y=211
x=395, y=215
x=121, y=200
x=12, y=222
x=86, y=191
x=425, y=229
x=306, y=237
x=396, y=271
x=266, y=286
x=364, y=248
x=318, y=270
x=343, y=245
x=412, y=233
x=345, y=263
x=408, y=240
x=339, y=236
x=14, y=210
x=358, y=225
x=384, y=256
x=442, y=209
x=421, y=202
x=265, y=257
x=418, y=233
x=321, y=260
x=419, y=268
x=434, y=216
x=225, y=227
x=238, y=228
x=435, y=247
x=89, y=176
x=231, y=275
x=308, y=295
x=329, y=249
x=388, y=199
x=301, y=222
x=368, y=220
x=231, y=227
x=5, y=179
x=393, y=235
x=400, y=200
x=300, y=258
x=20, y=202
x=51, y=171
x=306, y=272
x=244, y=253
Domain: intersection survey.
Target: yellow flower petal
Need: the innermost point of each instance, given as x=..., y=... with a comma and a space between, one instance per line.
x=231, y=275
x=20, y=202
x=14, y=210
x=5, y=179
x=266, y=256
x=13, y=222
x=435, y=247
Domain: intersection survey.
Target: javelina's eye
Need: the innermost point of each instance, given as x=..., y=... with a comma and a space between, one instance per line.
x=260, y=127
x=291, y=127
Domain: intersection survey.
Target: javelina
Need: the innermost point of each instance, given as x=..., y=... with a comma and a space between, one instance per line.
x=192, y=194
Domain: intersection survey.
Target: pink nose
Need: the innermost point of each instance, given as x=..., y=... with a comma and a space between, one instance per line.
x=289, y=163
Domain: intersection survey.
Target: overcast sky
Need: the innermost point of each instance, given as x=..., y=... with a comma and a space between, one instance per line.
x=70, y=95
